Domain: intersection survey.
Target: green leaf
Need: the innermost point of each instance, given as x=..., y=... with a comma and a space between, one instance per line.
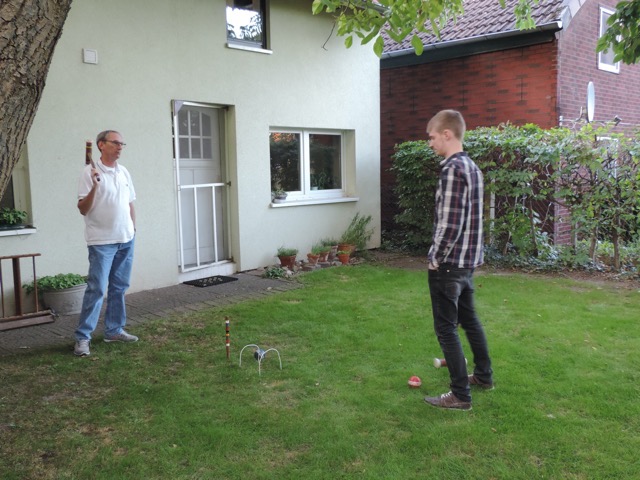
x=416, y=43
x=348, y=41
x=370, y=37
x=317, y=7
x=378, y=47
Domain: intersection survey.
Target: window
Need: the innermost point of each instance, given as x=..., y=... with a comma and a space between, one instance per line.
x=246, y=23
x=610, y=153
x=16, y=194
x=605, y=60
x=307, y=164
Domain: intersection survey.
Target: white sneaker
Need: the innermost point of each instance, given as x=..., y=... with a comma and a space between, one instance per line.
x=82, y=348
x=121, y=337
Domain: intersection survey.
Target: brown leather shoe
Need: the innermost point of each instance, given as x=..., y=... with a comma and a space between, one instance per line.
x=448, y=400
x=473, y=380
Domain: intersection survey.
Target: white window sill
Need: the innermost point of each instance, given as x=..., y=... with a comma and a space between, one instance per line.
x=248, y=48
x=313, y=201
x=18, y=231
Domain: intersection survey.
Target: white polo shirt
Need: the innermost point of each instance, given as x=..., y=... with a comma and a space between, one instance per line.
x=109, y=220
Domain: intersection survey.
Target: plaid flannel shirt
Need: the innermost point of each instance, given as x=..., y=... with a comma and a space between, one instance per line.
x=457, y=233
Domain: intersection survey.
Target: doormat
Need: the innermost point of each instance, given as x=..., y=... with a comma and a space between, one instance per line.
x=210, y=281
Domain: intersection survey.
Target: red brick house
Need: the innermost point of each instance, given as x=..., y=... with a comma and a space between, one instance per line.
x=494, y=73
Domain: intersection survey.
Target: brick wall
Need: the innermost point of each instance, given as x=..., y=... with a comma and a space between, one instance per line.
x=517, y=86
x=616, y=94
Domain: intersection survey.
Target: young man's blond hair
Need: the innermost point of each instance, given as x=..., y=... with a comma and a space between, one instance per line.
x=451, y=120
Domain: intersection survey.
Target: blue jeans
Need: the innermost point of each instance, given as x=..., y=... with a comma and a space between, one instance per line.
x=108, y=265
x=451, y=291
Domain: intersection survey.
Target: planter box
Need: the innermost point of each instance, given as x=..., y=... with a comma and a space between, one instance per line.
x=65, y=302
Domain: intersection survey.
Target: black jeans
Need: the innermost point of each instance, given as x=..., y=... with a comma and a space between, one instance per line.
x=451, y=292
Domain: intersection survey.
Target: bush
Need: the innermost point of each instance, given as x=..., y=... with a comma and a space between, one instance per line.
x=529, y=171
x=416, y=168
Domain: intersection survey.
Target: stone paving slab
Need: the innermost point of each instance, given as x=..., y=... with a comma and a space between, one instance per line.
x=145, y=306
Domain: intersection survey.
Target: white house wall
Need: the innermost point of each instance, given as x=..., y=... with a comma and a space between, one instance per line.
x=152, y=52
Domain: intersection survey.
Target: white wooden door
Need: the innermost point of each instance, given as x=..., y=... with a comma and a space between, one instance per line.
x=198, y=132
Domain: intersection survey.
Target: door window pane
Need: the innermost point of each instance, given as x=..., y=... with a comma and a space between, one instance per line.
x=195, y=123
x=183, y=122
x=207, y=151
x=195, y=148
x=184, y=148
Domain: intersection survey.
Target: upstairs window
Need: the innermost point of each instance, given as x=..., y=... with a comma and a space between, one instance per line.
x=605, y=60
x=246, y=23
x=307, y=164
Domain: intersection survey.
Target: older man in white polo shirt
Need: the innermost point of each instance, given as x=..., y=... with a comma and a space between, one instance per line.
x=105, y=199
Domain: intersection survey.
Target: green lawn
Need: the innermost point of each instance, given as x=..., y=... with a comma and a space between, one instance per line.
x=171, y=406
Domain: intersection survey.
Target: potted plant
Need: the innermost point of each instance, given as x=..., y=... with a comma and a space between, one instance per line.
x=344, y=256
x=357, y=234
x=279, y=195
x=320, y=181
x=314, y=255
x=332, y=245
x=323, y=251
x=287, y=257
x=62, y=293
x=10, y=218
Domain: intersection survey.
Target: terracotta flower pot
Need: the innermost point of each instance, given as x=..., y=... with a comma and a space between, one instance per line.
x=347, y=247
x=344, y=258
x=288, y=261
x=313, y=259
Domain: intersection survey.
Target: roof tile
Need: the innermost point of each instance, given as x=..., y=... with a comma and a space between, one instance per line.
x=483, y=17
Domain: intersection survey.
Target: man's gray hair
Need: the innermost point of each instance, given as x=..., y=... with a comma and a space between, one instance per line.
x=102, y=136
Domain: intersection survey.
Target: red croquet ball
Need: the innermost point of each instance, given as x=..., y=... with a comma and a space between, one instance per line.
x=414, y=382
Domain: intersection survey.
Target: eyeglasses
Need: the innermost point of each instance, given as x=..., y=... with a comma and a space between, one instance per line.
x=117, y=144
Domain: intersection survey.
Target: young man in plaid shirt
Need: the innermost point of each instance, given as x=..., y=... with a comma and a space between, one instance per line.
x=456, y=250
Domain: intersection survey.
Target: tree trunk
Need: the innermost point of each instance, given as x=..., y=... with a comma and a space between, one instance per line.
x=615, y=239
x=29, y=31
x=532, y=227
x=593, y=245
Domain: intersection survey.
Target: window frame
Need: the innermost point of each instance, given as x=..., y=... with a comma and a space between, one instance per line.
x=306, y=195
x=249, y=45
x=613, y=146
x=602, y=64
x=21, y=195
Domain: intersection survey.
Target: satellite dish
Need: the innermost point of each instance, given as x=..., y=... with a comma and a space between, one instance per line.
x=591, y=101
